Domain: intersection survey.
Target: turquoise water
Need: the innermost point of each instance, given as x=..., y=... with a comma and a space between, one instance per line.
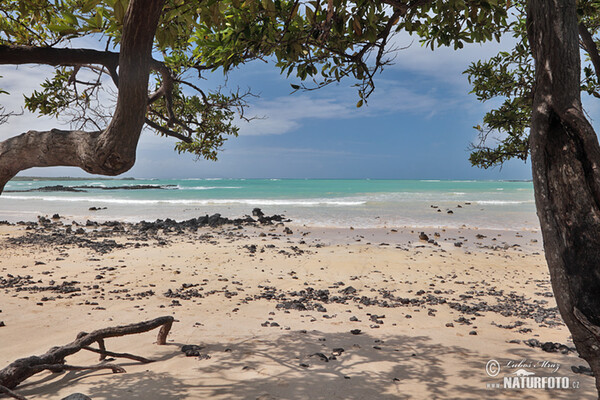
x=340, y=203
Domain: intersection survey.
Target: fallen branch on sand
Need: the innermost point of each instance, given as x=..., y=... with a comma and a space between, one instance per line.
x=54, y=359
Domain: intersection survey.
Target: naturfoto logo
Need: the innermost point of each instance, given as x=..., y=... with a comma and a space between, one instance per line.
x=523, y=374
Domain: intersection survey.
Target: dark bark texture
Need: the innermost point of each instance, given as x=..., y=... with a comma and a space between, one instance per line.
x=108, y=152
x=565, y=157
x=54, y=360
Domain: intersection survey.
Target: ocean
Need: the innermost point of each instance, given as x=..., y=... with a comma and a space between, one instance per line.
x=314, y=202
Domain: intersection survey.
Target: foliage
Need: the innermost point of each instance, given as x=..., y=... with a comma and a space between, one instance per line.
x=315, y=42
x=509, y=76
x=455, y=22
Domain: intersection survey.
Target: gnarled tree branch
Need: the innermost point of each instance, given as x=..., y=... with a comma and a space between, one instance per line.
x=13, y=54
x=108, y=152
x=168, y=132
x=54, y=359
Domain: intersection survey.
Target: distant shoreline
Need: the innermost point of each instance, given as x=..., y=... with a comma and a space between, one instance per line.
x=70, y=178
x=65, y=178
x=359, y=203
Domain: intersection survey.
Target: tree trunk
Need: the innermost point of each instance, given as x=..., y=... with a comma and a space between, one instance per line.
x=565, y=157
x=107, y=152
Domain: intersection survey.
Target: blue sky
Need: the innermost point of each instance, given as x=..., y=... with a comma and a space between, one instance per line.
x=417, y=125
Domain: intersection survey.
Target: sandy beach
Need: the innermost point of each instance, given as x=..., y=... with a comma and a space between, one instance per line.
x=282, y=311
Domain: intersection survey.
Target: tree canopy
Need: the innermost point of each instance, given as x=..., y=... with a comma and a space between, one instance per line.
x=175, y=43
x=314, y=43
x=509, y=77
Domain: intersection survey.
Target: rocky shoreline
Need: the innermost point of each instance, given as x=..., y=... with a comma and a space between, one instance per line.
x=86, y=188
x=55, y=232
x=259, y=301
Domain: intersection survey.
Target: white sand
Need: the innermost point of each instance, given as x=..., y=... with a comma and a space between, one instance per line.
x=417, y=357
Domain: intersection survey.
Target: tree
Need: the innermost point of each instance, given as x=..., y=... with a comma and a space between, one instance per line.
x=510, y=75
x=185, y=36
x=323, y=41
x=565, y=154
x=542, y=115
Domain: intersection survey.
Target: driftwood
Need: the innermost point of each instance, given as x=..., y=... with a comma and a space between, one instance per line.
x=54, y=359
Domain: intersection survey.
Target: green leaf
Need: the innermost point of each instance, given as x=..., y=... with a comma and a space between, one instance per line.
x=119, y=10
x=89, y=5
x=70, y=18
x=98, y=19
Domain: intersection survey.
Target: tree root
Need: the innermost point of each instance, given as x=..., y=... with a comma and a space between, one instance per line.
x=54, y=359
x=12, y=394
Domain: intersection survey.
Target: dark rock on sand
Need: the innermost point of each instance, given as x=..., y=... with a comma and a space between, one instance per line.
x=292, y=305
x=348, y=290
x=48, y=233
x=508, y=304
x=214, y=220
x=582, y=370
x=77, y=396
x=191, y=350
x=43, y=221
x=337, y=351
x=321, y=356
x=550, y=347
x=271, y=219
x=377, y=318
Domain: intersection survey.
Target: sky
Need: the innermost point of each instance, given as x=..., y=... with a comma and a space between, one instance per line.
x=418, y=124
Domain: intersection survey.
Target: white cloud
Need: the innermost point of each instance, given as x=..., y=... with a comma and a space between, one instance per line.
x=284, y=114
x=393, y=96
x=24, y=80
x=444, y=63
x=303, y=151
x=20, y=81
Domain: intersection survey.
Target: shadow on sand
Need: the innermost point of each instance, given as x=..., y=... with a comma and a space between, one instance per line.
x=287, y=367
